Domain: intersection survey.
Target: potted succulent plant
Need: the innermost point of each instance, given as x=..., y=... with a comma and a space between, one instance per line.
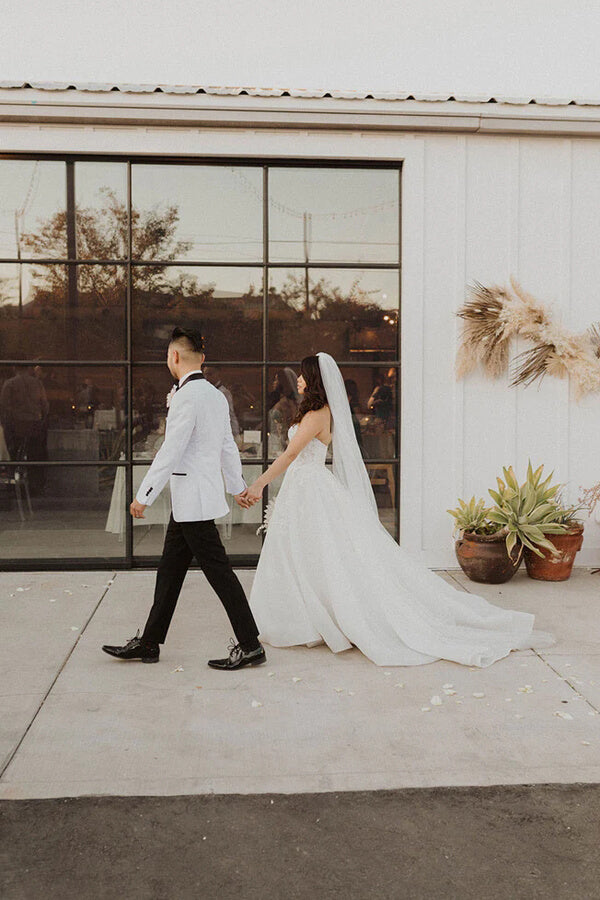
x=527, y=520
x=558, y=566
x=481, y=546
x=537, y=521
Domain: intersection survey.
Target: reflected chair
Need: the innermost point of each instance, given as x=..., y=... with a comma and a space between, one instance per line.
x=17, y=478
x=382, y=475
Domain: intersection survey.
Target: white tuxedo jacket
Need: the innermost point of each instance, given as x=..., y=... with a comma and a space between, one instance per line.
x=197, y=452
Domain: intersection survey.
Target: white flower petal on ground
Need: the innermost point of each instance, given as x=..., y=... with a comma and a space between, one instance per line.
x=270, y=674
x=255, y=704
x=569, y=665
x=562, y=715
x=67, y=592
x=399, y=684
x=436, y=700
x=295, y=679
x=478, y=694
x=587, y=743
x=508, y=699
x=447, y=685
x=526, y=689
x=425, y=709
x=74, y=627
x=178, y=669
x=338, y=690
x=51, y=599
x=449, y=691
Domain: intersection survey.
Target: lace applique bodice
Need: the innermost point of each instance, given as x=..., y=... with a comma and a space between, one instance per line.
x=314, y=453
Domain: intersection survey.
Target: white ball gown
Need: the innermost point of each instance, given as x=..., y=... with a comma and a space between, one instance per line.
x=327, y=572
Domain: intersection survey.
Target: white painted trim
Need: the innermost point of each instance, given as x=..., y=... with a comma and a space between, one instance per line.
x=412, y=358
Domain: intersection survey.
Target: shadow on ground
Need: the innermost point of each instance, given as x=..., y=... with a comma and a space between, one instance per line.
x=516, y=841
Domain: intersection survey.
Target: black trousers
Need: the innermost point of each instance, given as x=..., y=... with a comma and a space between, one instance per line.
x=183, y=541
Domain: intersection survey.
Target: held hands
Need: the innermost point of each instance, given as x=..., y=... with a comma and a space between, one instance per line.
x=250, y=496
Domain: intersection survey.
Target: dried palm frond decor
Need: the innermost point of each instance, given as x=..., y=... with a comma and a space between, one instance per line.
x=492, y=316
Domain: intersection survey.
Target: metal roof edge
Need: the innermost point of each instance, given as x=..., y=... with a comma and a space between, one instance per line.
x=308, y=93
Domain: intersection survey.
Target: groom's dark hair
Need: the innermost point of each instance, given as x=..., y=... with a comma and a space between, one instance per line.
x=191, y=338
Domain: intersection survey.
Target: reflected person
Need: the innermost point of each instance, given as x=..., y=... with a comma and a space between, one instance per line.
x=24, y=415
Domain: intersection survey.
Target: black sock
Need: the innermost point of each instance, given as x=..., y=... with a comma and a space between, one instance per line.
x=248, y=646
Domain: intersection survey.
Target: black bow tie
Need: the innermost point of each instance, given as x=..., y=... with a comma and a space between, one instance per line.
x=193, y=377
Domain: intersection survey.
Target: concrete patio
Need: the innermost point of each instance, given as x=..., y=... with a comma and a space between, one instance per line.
x=76, y=722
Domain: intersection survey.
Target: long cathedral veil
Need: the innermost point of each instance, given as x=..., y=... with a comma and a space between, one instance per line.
x=348, y=465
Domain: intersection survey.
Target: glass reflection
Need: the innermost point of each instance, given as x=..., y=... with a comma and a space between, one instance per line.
x=60, y=312
x=61, y=413
x=102, y=223
x=199, y=213
x=349, y=313
x=237, y=528
x=333, y=215
x=68, y=519
x=33, y=219
x=241, y=386
x=283, y=402
x=227, y=305
x=373, y=398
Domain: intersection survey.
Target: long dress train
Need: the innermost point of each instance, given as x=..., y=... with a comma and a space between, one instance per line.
x=325, y=573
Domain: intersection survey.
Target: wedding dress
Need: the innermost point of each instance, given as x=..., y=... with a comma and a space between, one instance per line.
x=329, y=570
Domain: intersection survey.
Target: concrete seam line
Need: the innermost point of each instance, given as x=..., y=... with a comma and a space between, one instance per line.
x=55, y=679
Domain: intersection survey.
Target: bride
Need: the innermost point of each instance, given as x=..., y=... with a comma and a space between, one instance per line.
x=329, y=571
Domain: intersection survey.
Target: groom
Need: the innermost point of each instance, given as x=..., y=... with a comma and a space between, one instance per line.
x=198, y=445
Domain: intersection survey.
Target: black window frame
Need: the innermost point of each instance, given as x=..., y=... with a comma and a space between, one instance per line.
x=130, y=560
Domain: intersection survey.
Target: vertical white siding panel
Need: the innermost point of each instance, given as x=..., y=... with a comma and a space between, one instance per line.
x=584, y=420
x=543, y=271
x=489, y=425
x=444, y=187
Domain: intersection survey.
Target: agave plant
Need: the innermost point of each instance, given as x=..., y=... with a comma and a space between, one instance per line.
x=472, y=517
x=528, y=511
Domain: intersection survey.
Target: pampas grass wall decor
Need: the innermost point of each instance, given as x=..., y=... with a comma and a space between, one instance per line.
x=492, y=316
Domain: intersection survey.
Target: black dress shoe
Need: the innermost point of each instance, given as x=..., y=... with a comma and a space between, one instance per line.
x=238, y=657
x=136, y=648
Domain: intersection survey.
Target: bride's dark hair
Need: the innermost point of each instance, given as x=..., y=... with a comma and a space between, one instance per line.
x=314, y=396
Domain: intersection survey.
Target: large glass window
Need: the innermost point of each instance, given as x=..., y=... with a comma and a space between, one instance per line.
x=101, y=258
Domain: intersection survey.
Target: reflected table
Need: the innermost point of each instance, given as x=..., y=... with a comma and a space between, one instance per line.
x=160, y=511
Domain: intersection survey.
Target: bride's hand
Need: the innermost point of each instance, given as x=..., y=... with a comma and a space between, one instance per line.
x=254, y=493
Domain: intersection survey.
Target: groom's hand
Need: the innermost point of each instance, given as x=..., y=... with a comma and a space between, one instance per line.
x=137, y=510
x=241, y=499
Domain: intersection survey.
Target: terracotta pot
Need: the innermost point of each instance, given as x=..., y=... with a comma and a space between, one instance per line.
x=555, y=568
x=484, y=558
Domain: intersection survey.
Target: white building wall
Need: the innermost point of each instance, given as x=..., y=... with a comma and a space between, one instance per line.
x=474, y=207
x=496, y=206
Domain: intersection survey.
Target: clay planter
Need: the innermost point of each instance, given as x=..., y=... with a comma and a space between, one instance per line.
x=484, y=558
x=555, y=568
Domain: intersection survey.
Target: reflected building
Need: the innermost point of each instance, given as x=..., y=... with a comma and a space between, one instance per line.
x=272, y=262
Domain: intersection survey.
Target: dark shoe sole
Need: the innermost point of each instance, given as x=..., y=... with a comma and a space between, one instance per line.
x=144, y=659
x=250, y=662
